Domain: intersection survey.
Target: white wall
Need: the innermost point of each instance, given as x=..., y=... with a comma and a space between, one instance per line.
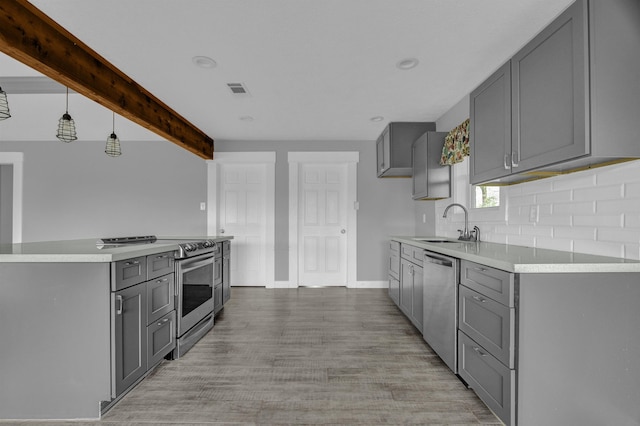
x=595, y=211
x=76, y=191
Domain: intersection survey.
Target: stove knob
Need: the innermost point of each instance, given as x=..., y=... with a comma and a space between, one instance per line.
x=189, y=247
x=208, y=243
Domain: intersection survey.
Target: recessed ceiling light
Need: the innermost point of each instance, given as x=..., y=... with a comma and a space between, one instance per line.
x=204, y=62
x=377, y=118
x=246, y=118
x=407, y=64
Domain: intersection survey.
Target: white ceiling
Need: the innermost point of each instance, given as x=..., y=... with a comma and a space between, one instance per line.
x=316, y=69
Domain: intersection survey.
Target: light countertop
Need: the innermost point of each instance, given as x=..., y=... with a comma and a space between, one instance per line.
x=86, y=250
x=525, y=259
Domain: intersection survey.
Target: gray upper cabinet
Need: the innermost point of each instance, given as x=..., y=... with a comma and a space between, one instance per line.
x=574, y=98
x=431, y=181
x=393, y=147
x=549, y=109
x=490, y=127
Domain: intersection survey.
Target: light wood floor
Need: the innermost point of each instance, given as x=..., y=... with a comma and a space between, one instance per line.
x=304, y=356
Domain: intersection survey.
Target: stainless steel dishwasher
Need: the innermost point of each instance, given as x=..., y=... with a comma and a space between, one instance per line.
x=441, y=306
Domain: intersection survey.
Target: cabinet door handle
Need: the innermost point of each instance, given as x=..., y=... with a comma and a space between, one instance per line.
x=479, y=299
x=132, y=263
x=120, y=302
x=480, y=269
x=477, y=349
x=515, y=158
x=506, y=164
x=164, y=280
x=163, y=321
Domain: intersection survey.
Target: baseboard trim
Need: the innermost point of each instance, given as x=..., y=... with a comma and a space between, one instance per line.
x=357, y=284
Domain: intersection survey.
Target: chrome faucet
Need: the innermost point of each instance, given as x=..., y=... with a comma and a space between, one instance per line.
x=465, y=235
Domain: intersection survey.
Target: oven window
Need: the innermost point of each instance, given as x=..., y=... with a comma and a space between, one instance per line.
x=197, y=288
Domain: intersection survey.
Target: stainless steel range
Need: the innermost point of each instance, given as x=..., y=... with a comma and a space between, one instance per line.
x=198, y=266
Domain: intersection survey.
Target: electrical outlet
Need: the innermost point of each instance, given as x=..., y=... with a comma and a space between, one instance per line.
x=533, y=214
x=203, y=206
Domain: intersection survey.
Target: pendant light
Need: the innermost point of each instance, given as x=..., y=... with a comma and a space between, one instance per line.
x=66, y=126
x=4, y=105
x=113, y=143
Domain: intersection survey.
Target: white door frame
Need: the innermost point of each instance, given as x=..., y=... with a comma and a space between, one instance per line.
x=269, y=160
x=295, y=161
x=16, y=159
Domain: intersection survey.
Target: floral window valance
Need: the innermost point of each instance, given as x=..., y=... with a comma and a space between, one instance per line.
x=456, y=145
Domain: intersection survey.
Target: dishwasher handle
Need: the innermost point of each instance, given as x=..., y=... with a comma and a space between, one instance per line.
x=438, y=260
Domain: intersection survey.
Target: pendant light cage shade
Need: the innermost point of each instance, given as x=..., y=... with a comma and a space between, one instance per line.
x=66, y=125
x=113, y=146
x=4, y=105
x=66, y=129
x=113, y=143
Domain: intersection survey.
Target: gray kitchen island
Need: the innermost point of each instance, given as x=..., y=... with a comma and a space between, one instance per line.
x=59, y=319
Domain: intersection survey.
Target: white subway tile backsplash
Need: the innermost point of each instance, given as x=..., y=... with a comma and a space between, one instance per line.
x=619, y=235
x=584, y=208
x=554, y=197
x=632, y=190
x=618, y=206
x=608, y=192
x=595, y=211
x=537, y=231
x=599, y=220
x=575, y=233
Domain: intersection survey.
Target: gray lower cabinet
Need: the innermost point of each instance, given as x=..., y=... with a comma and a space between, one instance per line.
x=144, y=318
x=130, y=336
x=411, y=284
x=550, y=108
x=431, y=181
x=394, y=272
x=487, y=336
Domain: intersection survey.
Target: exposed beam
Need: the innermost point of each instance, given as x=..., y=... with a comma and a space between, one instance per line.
x=34, y=39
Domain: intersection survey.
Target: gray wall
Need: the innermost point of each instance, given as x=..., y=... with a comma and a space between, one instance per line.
x=76, y=191
x=386, y=207
x=6, y=203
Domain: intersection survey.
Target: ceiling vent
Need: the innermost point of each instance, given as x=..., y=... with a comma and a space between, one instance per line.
x=238, y=89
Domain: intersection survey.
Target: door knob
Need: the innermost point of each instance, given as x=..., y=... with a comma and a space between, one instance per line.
x=222, y=231
x=343, y=231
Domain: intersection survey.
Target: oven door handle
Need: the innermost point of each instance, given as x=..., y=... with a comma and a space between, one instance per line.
x=196, y=265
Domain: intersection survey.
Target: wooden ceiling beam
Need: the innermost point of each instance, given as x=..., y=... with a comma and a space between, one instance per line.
x=31, y=37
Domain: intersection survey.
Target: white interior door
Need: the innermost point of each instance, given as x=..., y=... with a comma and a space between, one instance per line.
x=323, y=223
x=244, y=210
x=322, y=219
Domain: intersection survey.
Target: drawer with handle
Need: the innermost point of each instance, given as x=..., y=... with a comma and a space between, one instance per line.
x=161, y=338
x=489, y=323
x=128, y=272
x=159, y=264
x=412, y=254
x=490, y=282
x=489, y=378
